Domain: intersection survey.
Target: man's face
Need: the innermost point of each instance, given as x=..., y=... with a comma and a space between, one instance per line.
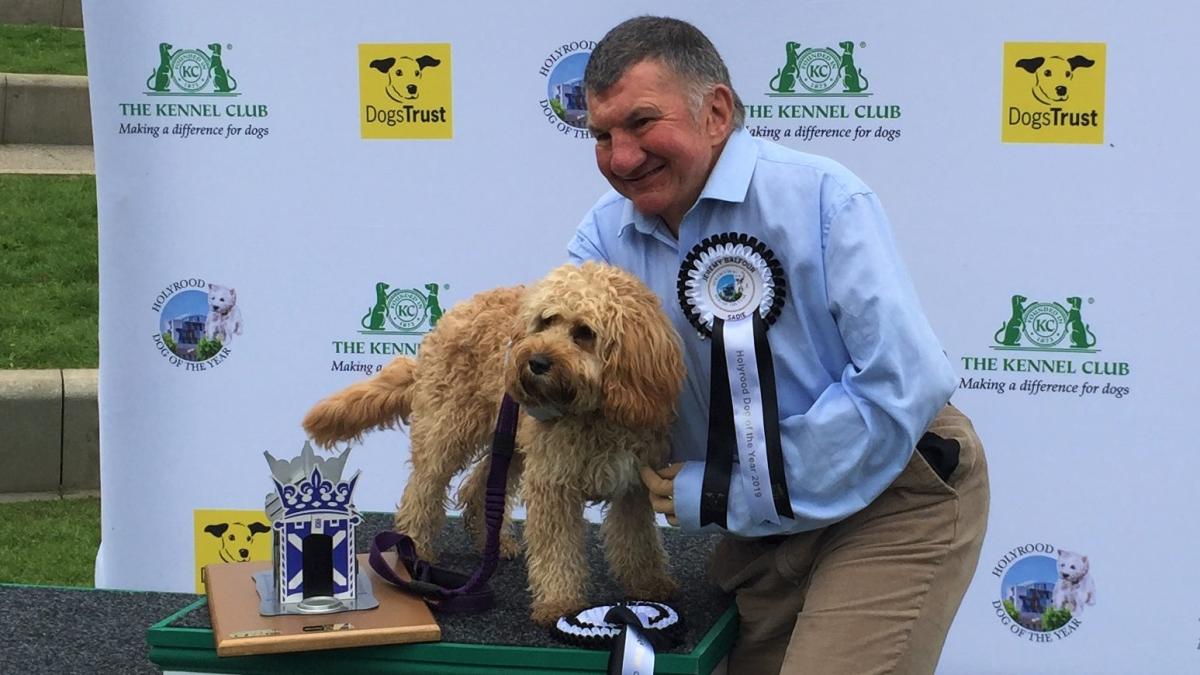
x=651, y=145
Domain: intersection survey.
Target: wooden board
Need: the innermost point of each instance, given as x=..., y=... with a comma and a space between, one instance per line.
x=239, y=630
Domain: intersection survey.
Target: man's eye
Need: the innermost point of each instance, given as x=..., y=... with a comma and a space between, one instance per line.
x=601, y=137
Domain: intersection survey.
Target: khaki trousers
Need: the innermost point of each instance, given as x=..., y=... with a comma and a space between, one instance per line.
x=874, y=593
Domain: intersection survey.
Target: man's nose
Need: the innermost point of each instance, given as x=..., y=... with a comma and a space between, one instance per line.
x=627, y=155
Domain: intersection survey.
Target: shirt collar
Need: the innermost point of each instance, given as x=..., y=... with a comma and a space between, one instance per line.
x=728, y=182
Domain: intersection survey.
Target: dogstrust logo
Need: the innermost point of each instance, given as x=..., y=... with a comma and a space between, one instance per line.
x=226, y=536
x=409, y=313
x=197, y=322
x=565, y=104
x=1044, y=591
x=1046, y=338
x=191, y=78
x=1053, y=92
x=405, y=91
x=819, y=92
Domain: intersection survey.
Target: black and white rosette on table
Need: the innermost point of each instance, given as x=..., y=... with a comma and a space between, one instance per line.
x=632, y=632
x=732, y=288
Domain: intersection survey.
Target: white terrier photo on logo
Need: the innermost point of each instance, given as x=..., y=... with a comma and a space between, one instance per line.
x=224, y=318
x=1074, y=587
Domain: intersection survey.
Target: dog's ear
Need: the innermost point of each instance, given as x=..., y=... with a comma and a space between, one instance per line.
x=427, y=61
x=258, y=528
x=643, y=369
x=216, y=529
x=1079, y=61
x=1031, y=65
x=383, y=65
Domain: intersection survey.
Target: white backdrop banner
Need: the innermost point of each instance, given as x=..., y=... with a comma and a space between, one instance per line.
x=291, y=194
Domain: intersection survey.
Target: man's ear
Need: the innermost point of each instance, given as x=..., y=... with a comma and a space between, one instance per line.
x=720, y=113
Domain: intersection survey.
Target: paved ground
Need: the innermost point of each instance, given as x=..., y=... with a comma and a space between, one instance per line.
x=47, y=159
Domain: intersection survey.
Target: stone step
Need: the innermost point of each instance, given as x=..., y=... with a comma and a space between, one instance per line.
x=49, y=431
x=44, y=109
x=47, y=159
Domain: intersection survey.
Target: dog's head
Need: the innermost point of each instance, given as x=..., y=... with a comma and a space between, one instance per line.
x=235, y=538
x=594, y=339
x=404, y=75
x=1071, y=566
x=1053, y=75
x=221, y=299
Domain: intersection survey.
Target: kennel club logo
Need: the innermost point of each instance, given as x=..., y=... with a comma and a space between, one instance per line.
x=810, y=96
x=1053, y=92
x=197, y=322
x=565, y=105
x=197, y=76
x=409, y=313
x=1044, y=591
x=405, y=91
x=191, y=72
x=1046, y=347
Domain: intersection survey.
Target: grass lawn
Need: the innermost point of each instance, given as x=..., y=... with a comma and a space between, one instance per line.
x=41, y=49
x=49, y=287
x=50, y=543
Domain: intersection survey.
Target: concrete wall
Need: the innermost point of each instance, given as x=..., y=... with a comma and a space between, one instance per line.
x=64, y=13
x=49, y=431
x=45, y=109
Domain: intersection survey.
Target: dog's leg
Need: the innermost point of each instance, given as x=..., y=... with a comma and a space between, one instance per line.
x=472, y=499
x=436, y=458
x=554, y=538
x=633, y=547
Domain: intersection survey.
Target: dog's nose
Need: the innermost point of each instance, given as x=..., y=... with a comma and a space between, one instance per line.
x=244, y=552
x=412, y=89
x=1060, y=90
x=539, y=364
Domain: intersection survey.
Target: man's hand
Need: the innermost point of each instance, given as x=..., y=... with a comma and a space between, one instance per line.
x=661, y=484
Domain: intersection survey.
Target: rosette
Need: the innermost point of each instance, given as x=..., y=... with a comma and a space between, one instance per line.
x=732, y=289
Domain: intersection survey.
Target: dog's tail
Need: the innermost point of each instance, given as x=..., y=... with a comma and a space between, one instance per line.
x=376, y=403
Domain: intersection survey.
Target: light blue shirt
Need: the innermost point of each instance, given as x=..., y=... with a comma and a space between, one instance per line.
x=859, y=372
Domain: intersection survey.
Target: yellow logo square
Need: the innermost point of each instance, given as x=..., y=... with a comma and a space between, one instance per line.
x=1053, y=92
x=405, y=90
x=223, y=535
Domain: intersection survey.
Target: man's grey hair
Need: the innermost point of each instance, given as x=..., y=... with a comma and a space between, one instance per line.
x=677, y=44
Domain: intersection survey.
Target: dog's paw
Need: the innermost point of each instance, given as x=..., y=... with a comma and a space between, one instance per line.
x=547, y=613
x=510, y=546
x=653, y=588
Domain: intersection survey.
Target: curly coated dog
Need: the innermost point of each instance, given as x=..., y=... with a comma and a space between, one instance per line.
x=595, y=365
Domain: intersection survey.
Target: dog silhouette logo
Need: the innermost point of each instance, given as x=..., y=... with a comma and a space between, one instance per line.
x=1052, y=76
x=1053, y=92
x=405, y=91
x=819, y=71
x=403, y=311
x=191, y=72
x=1044, y=325
x=229, y=536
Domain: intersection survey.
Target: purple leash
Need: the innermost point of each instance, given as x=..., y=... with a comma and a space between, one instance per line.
x=444, y=589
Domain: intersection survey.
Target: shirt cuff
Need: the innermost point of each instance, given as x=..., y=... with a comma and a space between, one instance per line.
x=687, y=495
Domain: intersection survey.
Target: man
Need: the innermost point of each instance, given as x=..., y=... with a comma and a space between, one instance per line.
x=812, y=371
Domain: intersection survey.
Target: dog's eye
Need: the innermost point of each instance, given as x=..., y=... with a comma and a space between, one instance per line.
x=231, y=537
x=399, y=73
x=582, y=334
x=544, y=322
x=1046, y=72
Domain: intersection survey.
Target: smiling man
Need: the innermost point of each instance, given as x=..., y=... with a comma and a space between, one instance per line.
x=814, y=428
